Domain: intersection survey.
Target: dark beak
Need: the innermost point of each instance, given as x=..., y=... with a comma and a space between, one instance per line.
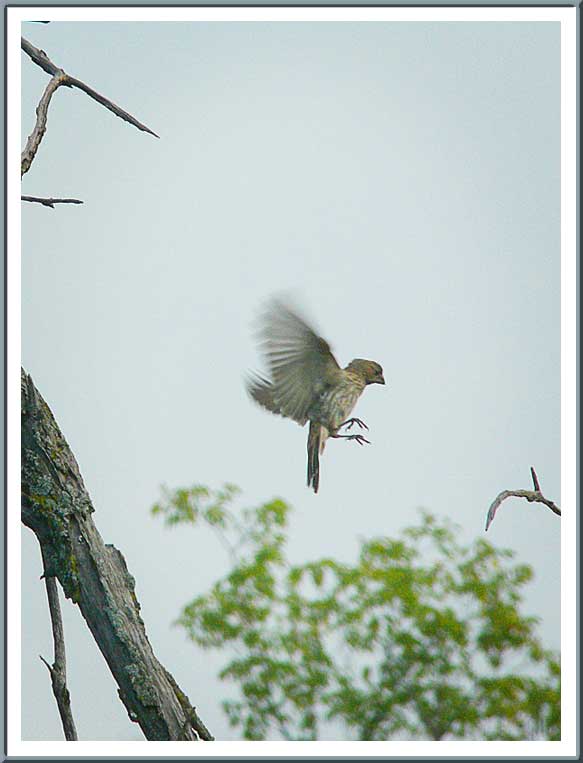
x=381, y=380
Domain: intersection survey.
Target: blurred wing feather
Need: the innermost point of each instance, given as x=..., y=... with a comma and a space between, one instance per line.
x=261, y=390
x=301, y=364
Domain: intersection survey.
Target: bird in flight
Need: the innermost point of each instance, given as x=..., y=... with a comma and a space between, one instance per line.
x=305, y=383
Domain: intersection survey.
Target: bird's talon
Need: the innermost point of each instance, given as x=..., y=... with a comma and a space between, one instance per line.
x=352, y=422
x=358, y=437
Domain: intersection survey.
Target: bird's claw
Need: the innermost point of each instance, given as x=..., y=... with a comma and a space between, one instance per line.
x=360, y=439
x=352, y=422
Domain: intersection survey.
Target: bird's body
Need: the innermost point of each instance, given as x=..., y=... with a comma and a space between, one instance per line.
x=332, y=406
x=327, y=415
x=307, y=384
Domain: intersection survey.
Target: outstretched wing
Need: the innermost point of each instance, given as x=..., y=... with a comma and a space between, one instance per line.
x=300, y=363
x=261, y=390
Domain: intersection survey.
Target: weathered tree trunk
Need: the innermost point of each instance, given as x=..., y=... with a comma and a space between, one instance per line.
x=57, y=508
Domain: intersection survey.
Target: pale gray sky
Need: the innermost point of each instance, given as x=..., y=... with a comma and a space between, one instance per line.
x=402, y=180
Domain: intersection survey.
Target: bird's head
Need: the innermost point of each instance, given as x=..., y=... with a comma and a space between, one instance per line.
x=371, y=372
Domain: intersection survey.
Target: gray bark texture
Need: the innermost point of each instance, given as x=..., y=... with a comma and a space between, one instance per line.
x=56, y=507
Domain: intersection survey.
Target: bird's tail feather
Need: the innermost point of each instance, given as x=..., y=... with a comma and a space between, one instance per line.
x=314, y=456
x=316, y=441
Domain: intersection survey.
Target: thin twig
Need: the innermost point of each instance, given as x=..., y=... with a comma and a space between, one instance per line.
x=532, y=496
x=58, y=670
x=50, y=202
x=58, y=78
x=535, y=481
x=117, y=110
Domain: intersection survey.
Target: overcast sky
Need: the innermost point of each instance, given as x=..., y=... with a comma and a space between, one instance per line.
x=402, y=180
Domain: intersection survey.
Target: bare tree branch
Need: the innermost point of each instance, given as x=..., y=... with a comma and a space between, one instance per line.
x=532, y=496
x=58, y=78
x=50, y=202
x=57, y=507
x=58, y=670
x=40, y=126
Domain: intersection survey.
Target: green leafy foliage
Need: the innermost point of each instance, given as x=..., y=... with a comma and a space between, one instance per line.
x=421, y=638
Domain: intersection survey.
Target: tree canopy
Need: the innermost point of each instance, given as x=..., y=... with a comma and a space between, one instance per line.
x=421, y=637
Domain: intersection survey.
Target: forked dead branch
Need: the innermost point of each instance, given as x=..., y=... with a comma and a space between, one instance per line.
x=532, y=496
x=59, y=78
